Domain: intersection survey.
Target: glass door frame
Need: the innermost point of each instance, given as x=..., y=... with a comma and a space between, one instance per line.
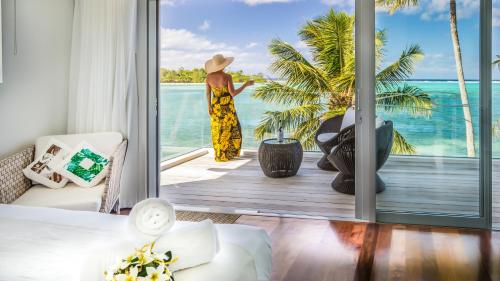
x=153, y=88
x=365, y=127
x=365, y=196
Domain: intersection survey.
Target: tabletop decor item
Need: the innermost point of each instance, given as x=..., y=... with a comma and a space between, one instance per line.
x=144, y=264
x=281, y=134
x=279, y=159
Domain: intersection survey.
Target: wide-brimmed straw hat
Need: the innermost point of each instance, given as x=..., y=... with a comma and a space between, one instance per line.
x=218, y=62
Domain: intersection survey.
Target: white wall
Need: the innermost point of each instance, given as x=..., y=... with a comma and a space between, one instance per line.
x=33, y=95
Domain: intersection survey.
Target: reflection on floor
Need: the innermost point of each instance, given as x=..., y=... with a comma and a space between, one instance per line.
x=333, y=250
x=437, y=185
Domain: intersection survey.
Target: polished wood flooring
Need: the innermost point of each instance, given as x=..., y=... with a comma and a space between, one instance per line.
x=317, y=250
x=422, y=184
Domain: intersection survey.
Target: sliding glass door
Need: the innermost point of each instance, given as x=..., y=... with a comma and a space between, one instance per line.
x=433, y=113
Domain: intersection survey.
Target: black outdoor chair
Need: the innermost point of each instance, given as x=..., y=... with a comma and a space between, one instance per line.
x=326, y=136
x=342, y=156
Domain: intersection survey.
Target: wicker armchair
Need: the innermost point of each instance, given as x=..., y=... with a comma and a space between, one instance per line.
x=342, y=156
x=326, y=136
x=13, y=183
x=325, y=140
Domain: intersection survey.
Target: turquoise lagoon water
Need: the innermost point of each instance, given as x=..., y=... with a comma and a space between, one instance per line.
x=185, y=124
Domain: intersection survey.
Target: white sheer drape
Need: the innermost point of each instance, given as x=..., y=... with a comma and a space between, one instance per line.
x=103, y=86
x=102, y=64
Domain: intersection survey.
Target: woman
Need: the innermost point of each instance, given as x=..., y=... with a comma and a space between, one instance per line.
x=226, y=130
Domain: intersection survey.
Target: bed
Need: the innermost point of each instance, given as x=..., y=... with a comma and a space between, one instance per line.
x=54, y=244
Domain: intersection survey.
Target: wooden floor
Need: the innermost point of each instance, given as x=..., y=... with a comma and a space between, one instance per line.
x=413, y=184
x=343, y=251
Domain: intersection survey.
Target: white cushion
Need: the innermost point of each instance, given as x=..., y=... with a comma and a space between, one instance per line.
x=106, y=143
x=326, y=137
x=349, y=118
x=379, y=122
x=71, y=197
x=44, y=168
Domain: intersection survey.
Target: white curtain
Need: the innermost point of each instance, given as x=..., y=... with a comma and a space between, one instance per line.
x=103, y=82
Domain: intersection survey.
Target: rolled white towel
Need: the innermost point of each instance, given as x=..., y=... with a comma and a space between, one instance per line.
x=151, y=218
x=193, y=245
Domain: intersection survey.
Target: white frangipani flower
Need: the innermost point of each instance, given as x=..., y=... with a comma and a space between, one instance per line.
x=131, y=276
x=156, y=274
x=126, y=262
x=131, y=267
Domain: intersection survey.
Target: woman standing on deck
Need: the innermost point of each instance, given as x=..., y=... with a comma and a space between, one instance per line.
x=225, y=126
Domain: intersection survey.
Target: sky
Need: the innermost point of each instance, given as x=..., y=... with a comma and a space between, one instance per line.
x=192, y=31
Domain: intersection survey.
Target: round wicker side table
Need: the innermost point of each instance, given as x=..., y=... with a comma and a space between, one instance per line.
x=280, y=159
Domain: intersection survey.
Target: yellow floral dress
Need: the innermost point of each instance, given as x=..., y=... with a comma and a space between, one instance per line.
x=225, y=126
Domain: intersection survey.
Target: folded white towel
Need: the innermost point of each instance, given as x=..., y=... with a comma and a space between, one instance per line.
x=194, y=244
x=151, y=218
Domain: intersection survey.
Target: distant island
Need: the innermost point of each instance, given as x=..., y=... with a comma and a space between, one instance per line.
x=198, y=75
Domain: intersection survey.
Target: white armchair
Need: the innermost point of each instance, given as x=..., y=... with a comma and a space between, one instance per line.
x=16, y=189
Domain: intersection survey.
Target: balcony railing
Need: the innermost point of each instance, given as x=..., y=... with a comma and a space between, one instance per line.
x=185, y=123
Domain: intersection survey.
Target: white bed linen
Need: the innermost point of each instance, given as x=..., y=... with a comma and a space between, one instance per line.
x=52, y=244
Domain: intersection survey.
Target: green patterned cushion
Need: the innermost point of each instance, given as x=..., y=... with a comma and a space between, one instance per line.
x=86, y=166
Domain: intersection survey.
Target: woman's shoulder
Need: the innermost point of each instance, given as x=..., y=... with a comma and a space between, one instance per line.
x=218, y=77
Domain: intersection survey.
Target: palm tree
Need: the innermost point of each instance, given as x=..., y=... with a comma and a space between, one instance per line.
x=393, y=6
x=317, y=90
x=497, y=62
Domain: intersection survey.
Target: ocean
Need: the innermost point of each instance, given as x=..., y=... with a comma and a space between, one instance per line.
x=185, y=123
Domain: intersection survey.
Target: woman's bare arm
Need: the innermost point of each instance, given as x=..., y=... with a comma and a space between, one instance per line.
x=208, y=92
x=234, y=92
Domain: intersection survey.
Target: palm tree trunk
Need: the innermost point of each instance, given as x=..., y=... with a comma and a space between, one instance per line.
x=469, y=130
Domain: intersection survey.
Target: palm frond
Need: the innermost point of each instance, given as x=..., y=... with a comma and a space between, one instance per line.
x=330, y=38
x=306, y=131
x=333, y=113
x=345, y=83
x=496, y=129
x=275, y=92
x=401, y=69
x=497, y=62
x=408, y=99
x=401, y=145
x=288, y=119
x=380, y=42
x=394, y=5
x=290, y=65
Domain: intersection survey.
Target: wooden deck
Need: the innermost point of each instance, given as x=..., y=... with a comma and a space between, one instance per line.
x=448, y=185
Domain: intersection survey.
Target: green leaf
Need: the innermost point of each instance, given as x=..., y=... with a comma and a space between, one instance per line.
x=306, y=131
x=331, y=40
x=406, y=99
x=275, y=92
x=290, y=65
x=497, y=62
x=288, y=119
x=394, y=5
x=399, y=70
x=169, y=256
x=401, y=145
